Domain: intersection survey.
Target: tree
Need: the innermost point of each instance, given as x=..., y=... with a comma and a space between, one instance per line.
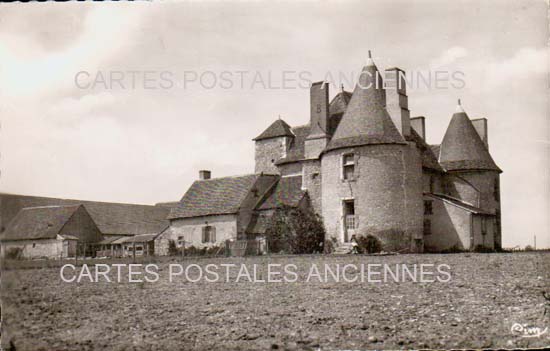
x=295, y=230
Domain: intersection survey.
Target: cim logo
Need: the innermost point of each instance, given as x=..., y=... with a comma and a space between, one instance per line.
x=526, y=331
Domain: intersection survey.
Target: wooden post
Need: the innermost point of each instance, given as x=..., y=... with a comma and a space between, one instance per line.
x=134, y=251
x=182, y=249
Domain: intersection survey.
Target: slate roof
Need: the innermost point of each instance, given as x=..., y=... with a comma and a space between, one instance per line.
x=296, y=151
x=110, y=218
x=34, y=223
x=366, y=120
x=460, y=203
x=287, y=192
x=340, y=103
x=276, y=129
x=462, y=148
x=216, y=196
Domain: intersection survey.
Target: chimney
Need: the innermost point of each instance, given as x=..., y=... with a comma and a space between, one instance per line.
x=397, y=103
x=419, y=126
x=204, y=174
x=318, y=95
x=480, y=124
x=318, y=136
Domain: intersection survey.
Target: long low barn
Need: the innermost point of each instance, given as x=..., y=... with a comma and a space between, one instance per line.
x=112, y=219
x=28, y=226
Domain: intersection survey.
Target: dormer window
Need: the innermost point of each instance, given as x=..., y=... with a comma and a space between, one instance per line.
x=348, y=167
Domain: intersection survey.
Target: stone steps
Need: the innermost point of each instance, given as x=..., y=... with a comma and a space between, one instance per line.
x=343, y=248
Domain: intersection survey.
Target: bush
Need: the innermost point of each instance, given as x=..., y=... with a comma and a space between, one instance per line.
x=369, y=244
x=529, y=248
x=296, y=231
x=217, y=250
x=14, y=253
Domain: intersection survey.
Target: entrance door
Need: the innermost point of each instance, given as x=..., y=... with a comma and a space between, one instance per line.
x=349, y=220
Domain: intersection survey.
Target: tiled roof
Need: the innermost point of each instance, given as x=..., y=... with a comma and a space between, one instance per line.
x=38, y=222
x=276, y=129
x=169, y=204
x=216, y=196
x=429, y=159
x=462, y=148
x=110, y=218
x=287, y=192
x=366, y=120
x=462, y=204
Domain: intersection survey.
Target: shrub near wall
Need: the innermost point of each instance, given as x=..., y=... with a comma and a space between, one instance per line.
x=296, y=231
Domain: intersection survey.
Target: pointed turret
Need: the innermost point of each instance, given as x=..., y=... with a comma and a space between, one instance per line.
x=366, y=120
x=462, y=148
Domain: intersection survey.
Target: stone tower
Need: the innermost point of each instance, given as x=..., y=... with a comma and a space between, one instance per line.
x=371, y=175
x=472, y=175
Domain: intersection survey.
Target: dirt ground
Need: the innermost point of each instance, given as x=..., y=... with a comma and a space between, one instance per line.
x=486, y=296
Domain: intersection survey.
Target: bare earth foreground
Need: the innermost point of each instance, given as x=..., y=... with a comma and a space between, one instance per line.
x=488, y=293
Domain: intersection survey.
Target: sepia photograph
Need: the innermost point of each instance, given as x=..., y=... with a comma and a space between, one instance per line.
x=291, y=175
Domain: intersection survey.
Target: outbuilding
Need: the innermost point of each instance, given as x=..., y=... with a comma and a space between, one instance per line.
x=49, y=232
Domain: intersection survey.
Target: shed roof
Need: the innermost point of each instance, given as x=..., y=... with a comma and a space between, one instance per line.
x=43, y=222
x=141, y=238
x=462, y=147
x=216, y=196
x=459, y=203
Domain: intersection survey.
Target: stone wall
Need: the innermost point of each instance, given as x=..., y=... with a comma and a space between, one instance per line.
x=42, y=248
x=387, y=191
x=267, y=152
x=312, y=181
x=191, y=231
x=478, y=189
x=450, y=226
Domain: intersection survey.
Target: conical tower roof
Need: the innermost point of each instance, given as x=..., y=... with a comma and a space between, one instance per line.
x=366, y=120
x=278, y=128
x=462, y=148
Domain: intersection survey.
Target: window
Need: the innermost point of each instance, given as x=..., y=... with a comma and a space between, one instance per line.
x=209, y=234
x=349, y=215
x=348, y=167
x=483, y=226
x=33, y=245
x=428, y=210
x=496, y=190
x=180, y=240
x=427, y=227
x=314, y=175
x=432, y=184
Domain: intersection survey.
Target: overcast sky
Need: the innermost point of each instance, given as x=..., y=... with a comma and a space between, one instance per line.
x=144, y=145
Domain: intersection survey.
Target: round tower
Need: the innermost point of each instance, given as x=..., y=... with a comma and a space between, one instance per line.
x=371, y=176
x=472, y=174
